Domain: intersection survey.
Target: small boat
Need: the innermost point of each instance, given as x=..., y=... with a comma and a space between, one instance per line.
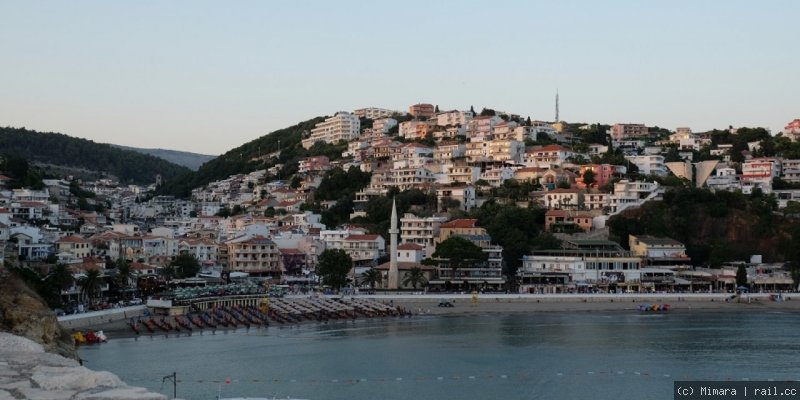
x=653, y=307
x=78, y=337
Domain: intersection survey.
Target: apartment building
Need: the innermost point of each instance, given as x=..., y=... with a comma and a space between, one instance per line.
x=342, y=126
x=760, y=171
x=448, y=151
x=627, y=131
x=364, y=249
x=649, y=164
x=423, y=231
x=545, y=156
x=792, y=130
x=255, y=255
x=75, y=245
x=454, y=117
x=374, y=112
x=384, y=125
x=422, y=110
x=464, y=194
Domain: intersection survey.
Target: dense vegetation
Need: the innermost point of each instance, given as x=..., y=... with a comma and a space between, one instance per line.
x=59, y=149
x=715, y=227
x=253, y=156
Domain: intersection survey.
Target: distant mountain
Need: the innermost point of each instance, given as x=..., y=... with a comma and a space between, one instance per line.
x=252, y=156
x=58, y=149
x=189, y=160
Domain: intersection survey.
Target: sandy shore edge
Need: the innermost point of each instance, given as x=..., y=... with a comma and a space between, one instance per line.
x=463, y=304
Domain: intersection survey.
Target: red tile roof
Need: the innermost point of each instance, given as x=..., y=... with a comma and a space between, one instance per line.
x=460, y=223
x=72, y=239
x=410, y=246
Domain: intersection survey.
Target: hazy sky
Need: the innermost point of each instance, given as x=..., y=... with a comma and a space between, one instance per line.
x=209, y=76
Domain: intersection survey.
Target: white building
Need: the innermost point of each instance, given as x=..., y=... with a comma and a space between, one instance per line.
x=649, y=164
x=453, y=117
x=421, y=230
x=374, y=112
x=342, y=126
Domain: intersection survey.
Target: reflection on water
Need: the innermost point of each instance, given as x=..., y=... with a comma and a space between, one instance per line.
x=520, y=356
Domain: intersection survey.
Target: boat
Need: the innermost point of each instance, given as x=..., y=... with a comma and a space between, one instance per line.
x=654, y=307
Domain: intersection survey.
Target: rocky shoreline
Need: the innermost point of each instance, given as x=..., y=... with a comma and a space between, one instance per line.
x=27, y=371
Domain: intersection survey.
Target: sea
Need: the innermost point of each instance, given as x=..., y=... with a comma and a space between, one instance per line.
x=615, y=355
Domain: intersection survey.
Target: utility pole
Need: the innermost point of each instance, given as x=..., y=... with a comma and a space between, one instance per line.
x=174, y=379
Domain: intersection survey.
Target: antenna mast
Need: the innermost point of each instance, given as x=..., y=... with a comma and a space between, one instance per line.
x=557, y=119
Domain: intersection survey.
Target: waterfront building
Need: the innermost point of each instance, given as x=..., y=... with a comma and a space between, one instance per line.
x=659, y=252
x=580, y=270
x=421, y=230
x=255, y=255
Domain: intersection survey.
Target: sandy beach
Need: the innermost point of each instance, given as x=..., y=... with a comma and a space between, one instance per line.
x=567, y=303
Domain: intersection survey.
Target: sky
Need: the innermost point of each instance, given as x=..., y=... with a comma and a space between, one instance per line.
x=209, y=76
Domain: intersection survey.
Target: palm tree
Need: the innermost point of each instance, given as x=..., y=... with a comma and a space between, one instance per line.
x=124, y=273
x=371, y=277
x=415, y=277
x=90, y=284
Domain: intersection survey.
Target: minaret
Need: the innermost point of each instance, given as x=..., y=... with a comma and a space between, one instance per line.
x=393, y=231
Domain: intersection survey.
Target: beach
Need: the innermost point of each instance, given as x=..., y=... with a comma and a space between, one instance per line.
x=428, y=304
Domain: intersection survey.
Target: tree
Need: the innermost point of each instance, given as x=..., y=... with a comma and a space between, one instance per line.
x=90, y=285
x=333, y=267
x=59, y=279
x=168, y=272
x=186, y=265
x=124, y=274
x=741, y=276
x=459, y=253
x=436, y=110
x=415, y=277
x=588, y=177
x=371, y=277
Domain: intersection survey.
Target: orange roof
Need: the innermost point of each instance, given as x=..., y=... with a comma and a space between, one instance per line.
x=461, y=223
x=72, y=239
x=410, y=246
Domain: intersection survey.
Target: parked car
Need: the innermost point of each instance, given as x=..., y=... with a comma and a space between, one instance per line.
x=137, y=301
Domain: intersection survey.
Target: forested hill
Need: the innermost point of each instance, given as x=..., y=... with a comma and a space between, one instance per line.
x=249, y=157
x=715, y=227
x=62, y=150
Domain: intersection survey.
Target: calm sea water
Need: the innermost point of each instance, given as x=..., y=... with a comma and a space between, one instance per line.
x=521, y=356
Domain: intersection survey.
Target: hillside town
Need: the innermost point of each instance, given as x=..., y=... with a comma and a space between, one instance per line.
x=261, y=227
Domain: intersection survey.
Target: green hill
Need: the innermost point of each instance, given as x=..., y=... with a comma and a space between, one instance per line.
x=715, y=227
x=62, y=150
x=253, y=156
